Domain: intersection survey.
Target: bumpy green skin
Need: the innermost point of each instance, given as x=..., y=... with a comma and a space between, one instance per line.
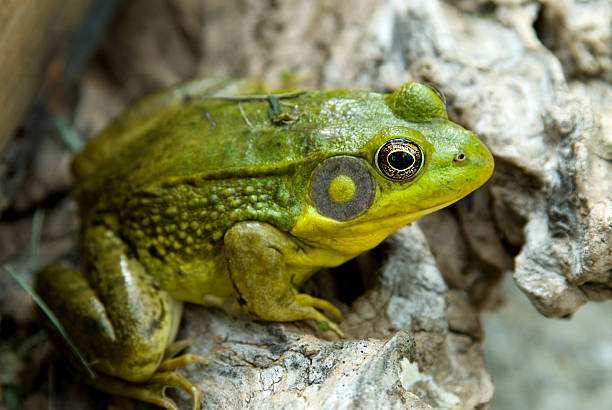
x=208, y=197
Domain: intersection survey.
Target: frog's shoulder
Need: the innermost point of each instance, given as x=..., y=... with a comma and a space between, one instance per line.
x=144, y=115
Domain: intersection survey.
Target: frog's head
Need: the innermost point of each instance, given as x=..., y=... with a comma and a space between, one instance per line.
x=405, y=171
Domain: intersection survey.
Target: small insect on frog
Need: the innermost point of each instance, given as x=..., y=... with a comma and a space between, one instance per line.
x=219, y=193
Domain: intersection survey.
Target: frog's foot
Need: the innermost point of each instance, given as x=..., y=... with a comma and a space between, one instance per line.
x=152, y=391
x=256, y=253
x=321, y=304
x=305, y=307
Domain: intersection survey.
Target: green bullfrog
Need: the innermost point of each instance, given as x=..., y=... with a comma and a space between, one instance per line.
x=221, y=193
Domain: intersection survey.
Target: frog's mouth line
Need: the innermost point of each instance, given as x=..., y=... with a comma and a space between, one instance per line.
x=416, y=215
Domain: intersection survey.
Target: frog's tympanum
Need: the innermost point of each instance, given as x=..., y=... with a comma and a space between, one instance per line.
x=222, y=194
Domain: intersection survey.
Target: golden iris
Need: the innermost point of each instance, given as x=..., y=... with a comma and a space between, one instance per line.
x=399, y=159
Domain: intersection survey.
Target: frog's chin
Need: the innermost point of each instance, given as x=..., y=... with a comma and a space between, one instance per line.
x=356, y=236
x=387, y=224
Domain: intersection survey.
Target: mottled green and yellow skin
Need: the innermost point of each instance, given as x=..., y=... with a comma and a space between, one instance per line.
x=204, y=194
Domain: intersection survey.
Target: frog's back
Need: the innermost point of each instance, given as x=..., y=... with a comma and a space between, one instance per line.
x=213, y=139
x=146, y=114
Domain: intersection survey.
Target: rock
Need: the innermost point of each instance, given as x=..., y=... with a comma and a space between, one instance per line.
x=541, y=363
x=448, y=245
x=579, y=33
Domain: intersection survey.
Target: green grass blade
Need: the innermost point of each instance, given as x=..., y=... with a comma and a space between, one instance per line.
x=71, y=138
x=43, y=306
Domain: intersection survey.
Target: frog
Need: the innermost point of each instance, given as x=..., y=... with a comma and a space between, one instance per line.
x=226, y=194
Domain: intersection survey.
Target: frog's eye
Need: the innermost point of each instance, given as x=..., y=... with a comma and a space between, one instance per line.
x=342, y=188
x=399, y=159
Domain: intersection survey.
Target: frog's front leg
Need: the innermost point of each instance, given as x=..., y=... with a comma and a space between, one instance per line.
x=119, y=319
x=257, y=255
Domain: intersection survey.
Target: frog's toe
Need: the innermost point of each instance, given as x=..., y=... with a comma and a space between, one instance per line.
x=321, y=304
x=331, y=326
x=171, y=362
x=309, y=303
x=176, y=347
x=180, y=361
x=151, y=391
x=174, y=379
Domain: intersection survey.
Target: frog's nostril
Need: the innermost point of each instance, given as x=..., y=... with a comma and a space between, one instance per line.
x=460, y=157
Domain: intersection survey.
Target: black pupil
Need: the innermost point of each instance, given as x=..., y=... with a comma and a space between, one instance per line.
x=401, y=160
